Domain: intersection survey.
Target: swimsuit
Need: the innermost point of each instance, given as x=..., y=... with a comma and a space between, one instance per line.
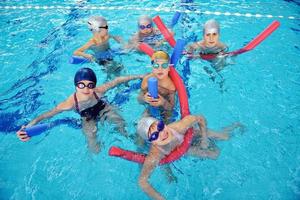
x=93, y=111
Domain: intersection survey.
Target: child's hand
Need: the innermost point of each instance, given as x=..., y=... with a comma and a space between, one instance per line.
x=22, y=135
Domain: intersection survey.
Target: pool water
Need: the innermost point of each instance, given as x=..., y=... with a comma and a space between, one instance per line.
x=261, y=90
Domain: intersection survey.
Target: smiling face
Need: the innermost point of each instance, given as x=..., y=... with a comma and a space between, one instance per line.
x=163, y=137
x=211, y=39
x=85, y=88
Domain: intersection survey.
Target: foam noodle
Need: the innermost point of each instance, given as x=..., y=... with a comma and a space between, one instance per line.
x=175, y=19
x=177, y=52
x=36, y=130
x=153, y=87
x=164, y=30
x=78, y=60
x=146, y=49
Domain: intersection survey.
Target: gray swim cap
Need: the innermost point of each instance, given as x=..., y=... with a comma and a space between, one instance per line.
x=144, y=125
x=144, y=18
x=95, y=22
x=211, y=26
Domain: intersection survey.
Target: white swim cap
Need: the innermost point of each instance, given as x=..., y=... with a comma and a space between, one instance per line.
x=144, y=125
x=211, y=26
x=95, y=22
x=144, y=18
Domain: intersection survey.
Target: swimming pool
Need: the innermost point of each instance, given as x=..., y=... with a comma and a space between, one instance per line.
x=261, y=90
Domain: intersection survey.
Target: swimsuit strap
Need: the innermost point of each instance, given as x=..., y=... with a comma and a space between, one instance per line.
x=96, y=96
x=76, y=103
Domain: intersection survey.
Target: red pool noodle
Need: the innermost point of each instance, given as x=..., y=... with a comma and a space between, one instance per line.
x=146, y=49
x=164, y=30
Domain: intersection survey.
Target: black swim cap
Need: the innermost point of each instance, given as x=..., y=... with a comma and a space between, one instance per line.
x=85, y=74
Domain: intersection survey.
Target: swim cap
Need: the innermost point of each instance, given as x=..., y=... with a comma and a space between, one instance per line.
x=211, y=26
x=144, y=18
x=144, y=125
x=160, y=55
x=95, y=22
x=85, y=74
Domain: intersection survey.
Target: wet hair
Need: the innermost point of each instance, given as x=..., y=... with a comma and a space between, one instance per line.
x=85, y=74
x=211, y=26
x=95, y=22
x=160, y=55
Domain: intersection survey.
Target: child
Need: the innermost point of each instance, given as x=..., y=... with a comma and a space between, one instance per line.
x=165, y=138
x=166, y=89
x=147, y=34
x=87, y=102
x=99, y=45
x=210, y=45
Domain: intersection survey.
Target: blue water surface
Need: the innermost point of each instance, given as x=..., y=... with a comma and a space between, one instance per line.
x=261, y=90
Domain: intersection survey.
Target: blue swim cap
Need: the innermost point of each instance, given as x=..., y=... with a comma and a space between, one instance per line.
x=86, y=74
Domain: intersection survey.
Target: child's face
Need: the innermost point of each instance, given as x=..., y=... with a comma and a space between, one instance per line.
x=145, y=27
x=160, y=68
x=211, y=39
x=103, y=31
x=163, y=136
x=85, y=87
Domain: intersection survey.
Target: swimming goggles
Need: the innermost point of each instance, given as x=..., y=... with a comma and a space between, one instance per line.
x=105, y=27
x=160, y=127
x=81, y=85
x=163, y=65
x=147, y=26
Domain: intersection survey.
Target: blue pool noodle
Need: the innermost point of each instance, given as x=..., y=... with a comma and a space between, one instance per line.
x=180, y=43
x=175, y=19
x=78, y=60
x=153, y=87
x=153, y=91
x=36, y=130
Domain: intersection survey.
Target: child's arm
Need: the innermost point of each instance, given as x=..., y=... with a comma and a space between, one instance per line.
x=109, y=85
x=64, y=106
x=80, y=51
x=149, y=165
x=188, y=122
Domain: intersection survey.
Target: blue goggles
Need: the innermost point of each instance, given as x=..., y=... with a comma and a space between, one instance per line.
x=147, y=26
x=160, y=127
x=163, y=65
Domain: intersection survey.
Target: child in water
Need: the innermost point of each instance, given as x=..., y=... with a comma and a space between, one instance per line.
x=166, y=88
x=88, y=103
x=99, y=45
x=147, y=34
x=210, y=45
x=164, y=138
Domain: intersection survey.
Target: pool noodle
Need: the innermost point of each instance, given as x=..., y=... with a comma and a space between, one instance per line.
x=258, y=39
x=177, y=52
x=175, y=19
x=164, y=30
x=37, y=129
x=153, y=91
x=153, y=87
x=146, y=49
x=78, y=60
